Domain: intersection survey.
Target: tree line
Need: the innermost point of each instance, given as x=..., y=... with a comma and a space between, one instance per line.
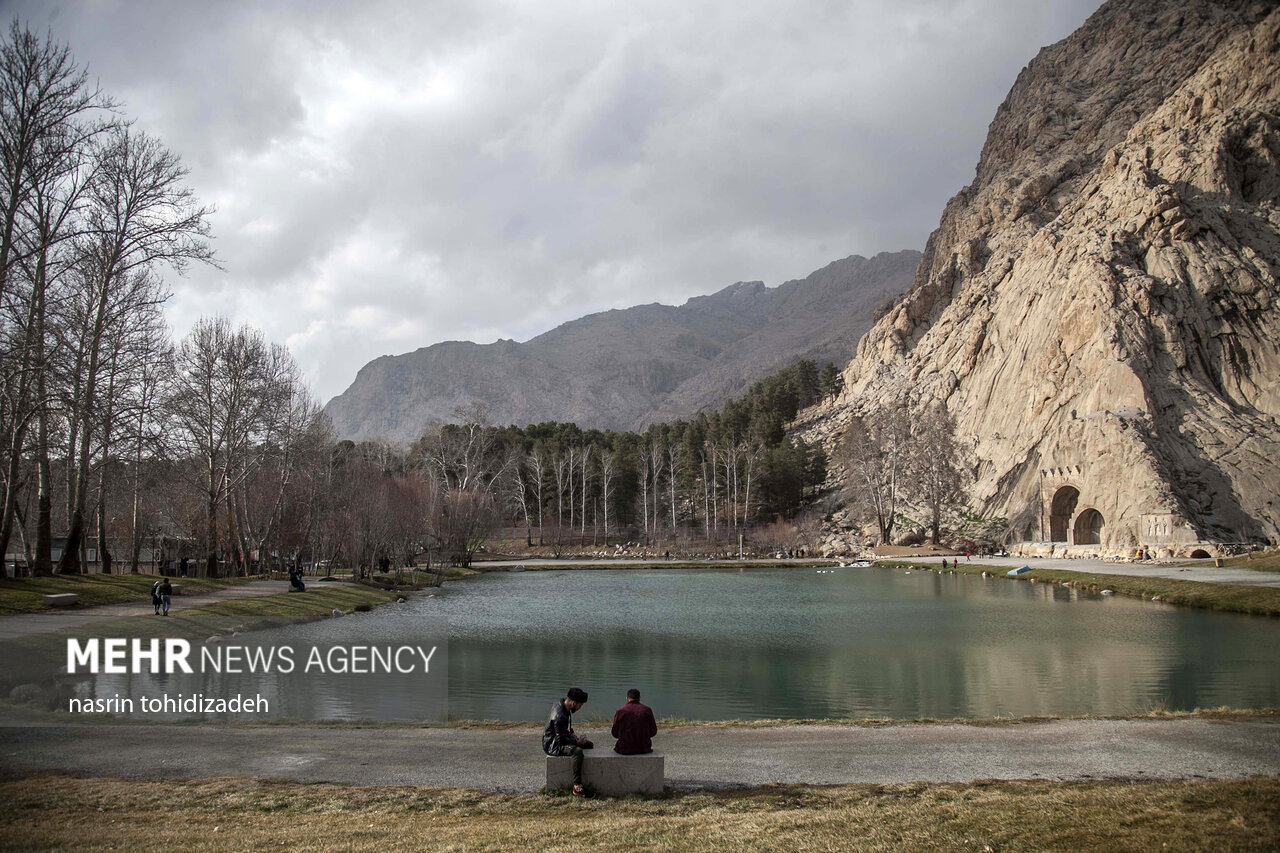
x=120, y=445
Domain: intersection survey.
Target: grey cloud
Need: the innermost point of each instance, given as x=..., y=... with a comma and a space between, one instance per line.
x=471, y=170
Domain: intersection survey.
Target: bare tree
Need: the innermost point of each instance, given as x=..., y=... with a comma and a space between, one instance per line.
x=875, y=451
x=674, y=468
x=537, y=473
x=288, y=431
x=465, y=455
x=586, y=454
x=608, y=474
x=939, y=471
x=45, y=99
x=229, y=389
x=518, y=488
x=563, y=472
x=45, y=129
x=138, y=215
x=644, y=489
x=463, y=523
x=657, y=452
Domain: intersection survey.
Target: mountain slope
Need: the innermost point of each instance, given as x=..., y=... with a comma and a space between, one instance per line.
x=1099, y=308
x=626, y=368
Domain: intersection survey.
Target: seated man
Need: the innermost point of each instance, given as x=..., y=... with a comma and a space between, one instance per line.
x=633, y=726
x=558, y=737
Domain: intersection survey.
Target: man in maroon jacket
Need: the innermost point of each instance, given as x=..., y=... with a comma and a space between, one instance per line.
x=633, y=726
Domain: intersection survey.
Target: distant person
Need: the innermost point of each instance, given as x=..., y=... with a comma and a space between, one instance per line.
x=155, y=596
x=633, y=726
x=166, y=596
x=295, y=580
x=558, y=737
x=182, y=567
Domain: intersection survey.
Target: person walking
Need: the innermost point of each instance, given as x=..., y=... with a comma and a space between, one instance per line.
x=166, y=594
x=155, y=596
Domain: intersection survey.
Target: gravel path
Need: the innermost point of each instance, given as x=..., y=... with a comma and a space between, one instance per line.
x=696, y=756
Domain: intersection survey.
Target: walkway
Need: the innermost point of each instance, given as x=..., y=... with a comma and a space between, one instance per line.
x=1206, y=573
x=17, y=625
x=696, y=756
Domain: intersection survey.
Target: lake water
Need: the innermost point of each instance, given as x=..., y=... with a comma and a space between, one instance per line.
x=758, y=644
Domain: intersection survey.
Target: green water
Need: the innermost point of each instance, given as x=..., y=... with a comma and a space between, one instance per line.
x=759, y=644
x=718, y=644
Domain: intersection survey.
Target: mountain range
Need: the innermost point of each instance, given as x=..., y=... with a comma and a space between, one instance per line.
x=626, y=368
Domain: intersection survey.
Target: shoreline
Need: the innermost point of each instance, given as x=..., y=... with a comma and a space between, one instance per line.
x=713, y=757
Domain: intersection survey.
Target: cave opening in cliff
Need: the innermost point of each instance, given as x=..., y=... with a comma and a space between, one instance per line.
x=1060, y=512
x=1089, y=528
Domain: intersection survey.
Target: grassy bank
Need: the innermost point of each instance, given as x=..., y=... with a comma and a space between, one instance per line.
x=1259, y=561
x=29, y=658
x=652, y=564
x=25, y=595
x=59, y=813
x=1234, y=598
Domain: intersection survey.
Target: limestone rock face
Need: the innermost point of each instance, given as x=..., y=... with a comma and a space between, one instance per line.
x=1099, y=308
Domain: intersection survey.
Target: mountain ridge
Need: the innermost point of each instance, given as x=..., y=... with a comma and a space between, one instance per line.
x=1098, y=308
x=624, y=368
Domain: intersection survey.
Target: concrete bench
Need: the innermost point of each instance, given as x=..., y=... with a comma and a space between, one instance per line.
x=61, y=599
x=609, y=773
x=177, y=588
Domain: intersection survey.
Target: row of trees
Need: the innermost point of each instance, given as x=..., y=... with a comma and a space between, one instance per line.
x=122, y=441
x=91, y=212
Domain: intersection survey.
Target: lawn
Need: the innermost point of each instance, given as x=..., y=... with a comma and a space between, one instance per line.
x=61, y=813
x=25, y=595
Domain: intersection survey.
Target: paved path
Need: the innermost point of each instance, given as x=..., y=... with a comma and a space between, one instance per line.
x=696, y=756
x=1207, y=572
x=50, y=621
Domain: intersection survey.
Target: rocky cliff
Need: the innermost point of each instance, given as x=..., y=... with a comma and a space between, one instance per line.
x=626, y=368
x=1098, y=309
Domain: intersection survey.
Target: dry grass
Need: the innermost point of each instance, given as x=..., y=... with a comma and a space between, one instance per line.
x=26, y=595
x=34, y=658
x=1258, y=561
x=60, y=813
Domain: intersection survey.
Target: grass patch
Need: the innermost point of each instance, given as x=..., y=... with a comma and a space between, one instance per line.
x=1258, y=561
x=31, y=658
x=1233, y=598
x=60, y=813
x=26, y=595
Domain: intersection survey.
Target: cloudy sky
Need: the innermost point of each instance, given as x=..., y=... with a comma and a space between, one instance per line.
x=392, y=174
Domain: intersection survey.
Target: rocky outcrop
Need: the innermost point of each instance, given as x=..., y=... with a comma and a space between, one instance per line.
x=627, y=368
x=1098, y=309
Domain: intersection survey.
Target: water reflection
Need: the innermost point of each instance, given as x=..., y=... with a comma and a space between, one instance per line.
x=795, y=643
x=857, y=642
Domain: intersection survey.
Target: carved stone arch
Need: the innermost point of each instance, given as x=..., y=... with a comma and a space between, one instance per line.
x=1061, y=509
x=1088, y=527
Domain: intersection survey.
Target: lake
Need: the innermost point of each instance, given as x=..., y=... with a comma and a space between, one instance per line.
x=717, y=644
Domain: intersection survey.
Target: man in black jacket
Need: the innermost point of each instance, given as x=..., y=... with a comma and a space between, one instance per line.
x=558, y=737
